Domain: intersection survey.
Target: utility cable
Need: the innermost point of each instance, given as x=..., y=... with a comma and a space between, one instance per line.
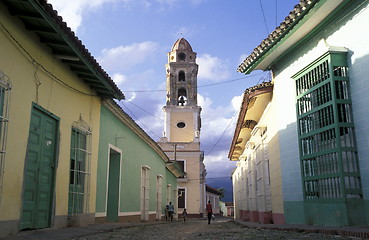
x=262, y=11
x=200, y=86
x=139, y=120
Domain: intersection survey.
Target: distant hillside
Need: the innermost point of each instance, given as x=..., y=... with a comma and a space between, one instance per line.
x=225, y=183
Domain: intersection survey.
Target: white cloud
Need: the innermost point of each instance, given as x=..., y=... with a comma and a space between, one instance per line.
x=220, y=157
x=213, y=117
x=236, y=102
x=124, y=57
x=72, y=10
x=119, y=78
x=212, y=68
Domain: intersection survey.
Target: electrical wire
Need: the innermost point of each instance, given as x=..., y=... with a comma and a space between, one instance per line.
x=262, y=11
x=200, y=86
x=139, y=120
x=236, y=112
x=39, y=65
x=173, y=125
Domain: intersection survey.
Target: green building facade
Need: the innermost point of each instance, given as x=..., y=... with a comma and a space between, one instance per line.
x=135, y=179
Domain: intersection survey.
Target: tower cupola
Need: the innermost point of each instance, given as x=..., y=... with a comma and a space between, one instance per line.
x=181, y=74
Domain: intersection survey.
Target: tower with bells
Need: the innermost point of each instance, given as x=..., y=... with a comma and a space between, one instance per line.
x=181, y=136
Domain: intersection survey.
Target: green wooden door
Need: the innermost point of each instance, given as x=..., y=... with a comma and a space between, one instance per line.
x=113, y=187
x=39, y=171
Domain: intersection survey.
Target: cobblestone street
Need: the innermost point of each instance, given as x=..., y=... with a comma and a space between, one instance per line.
x=199, y=229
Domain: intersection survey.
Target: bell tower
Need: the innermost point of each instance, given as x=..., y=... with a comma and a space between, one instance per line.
x=181, y=137
x=182, y=113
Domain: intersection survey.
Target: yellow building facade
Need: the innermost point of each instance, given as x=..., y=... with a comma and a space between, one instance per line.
x=50, y=124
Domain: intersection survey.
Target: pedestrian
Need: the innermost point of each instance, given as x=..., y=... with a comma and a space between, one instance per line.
x=184, y=214
x=170, y=211
x=209, y=210
x=166, y=212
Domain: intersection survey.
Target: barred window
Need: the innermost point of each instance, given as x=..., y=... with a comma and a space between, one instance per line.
x=5, y=89
x=328, y=152
x=79, y=177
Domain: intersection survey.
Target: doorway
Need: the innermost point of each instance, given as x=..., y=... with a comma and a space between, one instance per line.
x=39, y=170
x=112, y=211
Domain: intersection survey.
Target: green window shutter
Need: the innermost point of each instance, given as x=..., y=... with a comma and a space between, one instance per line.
x=328, y=153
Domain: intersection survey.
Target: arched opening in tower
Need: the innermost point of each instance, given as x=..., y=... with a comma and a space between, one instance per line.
x=182, y=97
x=181, y=76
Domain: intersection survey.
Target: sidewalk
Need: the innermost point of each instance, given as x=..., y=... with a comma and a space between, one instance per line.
x=349, y=231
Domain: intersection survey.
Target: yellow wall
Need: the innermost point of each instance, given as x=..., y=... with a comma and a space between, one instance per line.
x=185, y=134
x=192, y=185
x=190, y=152
x=60, y=100
x=274, y=158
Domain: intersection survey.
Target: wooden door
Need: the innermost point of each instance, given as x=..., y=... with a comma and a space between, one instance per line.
x=39, y=171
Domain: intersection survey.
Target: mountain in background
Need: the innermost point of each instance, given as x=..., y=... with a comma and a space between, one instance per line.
x=226, y=184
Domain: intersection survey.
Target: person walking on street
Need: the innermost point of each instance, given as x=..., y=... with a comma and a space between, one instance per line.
x=170, y=211
x=166, y=213
x=209, y=210
x=184, y=214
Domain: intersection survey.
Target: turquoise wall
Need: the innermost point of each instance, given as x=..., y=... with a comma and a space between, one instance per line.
x=135, y=153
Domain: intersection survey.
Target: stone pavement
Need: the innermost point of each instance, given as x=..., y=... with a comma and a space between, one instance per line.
x=96, y=229
x=361, y=232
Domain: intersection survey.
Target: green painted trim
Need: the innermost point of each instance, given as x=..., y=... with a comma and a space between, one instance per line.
x=39, y=107
x=124, y=118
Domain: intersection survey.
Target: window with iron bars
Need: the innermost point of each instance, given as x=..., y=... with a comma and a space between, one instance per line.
x=79, y=177
x=5, y=89
x=327, y=145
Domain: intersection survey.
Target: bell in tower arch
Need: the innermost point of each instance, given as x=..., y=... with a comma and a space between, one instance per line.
x=182, y=97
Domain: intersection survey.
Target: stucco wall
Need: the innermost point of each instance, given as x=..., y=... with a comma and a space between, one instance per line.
x=191, y=183
x=32, y=84
x=135, y=153
x=344, y=30
x=185, y=134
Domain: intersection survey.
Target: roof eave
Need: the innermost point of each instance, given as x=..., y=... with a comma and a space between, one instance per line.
x=250, y=93
x=264, y=56
x=76, y=49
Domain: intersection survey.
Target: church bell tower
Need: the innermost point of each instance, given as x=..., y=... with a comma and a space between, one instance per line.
x=182, y=113
x=181, y=137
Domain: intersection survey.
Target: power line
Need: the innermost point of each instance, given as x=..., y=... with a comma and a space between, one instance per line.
x=204, y=141
x=140, y=121
x=39, y=65
x=201, y=86
x=224, y=132
x=262, y=11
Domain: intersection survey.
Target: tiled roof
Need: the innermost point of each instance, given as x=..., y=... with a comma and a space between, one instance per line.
x=295, y=15
x=39, y=17
x=213, y=190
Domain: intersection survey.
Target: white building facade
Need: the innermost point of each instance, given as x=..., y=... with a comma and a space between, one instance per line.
x=318, y=58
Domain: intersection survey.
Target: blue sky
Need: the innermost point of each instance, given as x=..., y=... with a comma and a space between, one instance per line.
x=131, y=38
